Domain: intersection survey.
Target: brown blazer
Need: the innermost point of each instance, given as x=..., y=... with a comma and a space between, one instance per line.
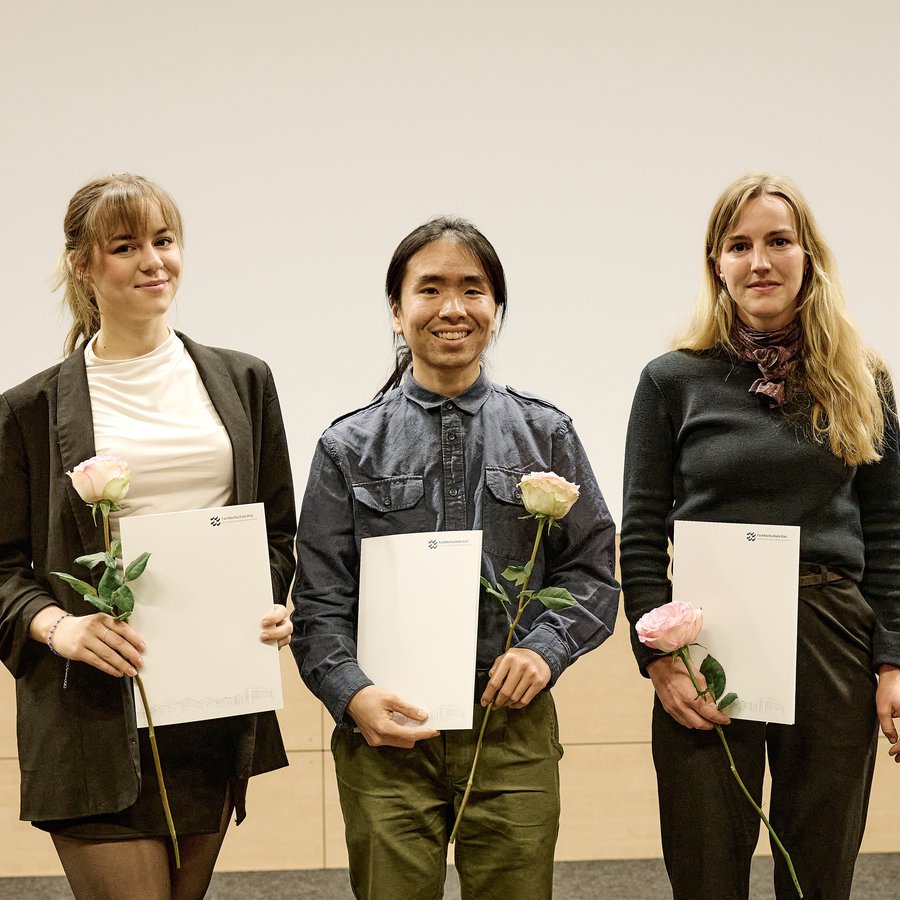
x=78, y=748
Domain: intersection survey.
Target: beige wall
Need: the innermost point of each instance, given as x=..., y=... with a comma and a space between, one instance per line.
x=294, y=821
x=587, y=138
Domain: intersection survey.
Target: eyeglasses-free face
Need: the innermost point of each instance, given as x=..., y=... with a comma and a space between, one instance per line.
x=762, y=264
x=446, y=314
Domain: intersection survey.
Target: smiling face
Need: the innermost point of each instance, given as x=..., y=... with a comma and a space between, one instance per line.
x=135, y=276
x=761, y=264
x=447, y=314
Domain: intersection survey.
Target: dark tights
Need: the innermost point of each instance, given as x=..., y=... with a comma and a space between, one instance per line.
x=141, y=869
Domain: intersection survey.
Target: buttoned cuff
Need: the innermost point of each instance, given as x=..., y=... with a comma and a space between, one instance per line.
x=340, y=688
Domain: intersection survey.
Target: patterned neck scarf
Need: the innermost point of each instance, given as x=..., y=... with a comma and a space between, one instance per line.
x=775, y=352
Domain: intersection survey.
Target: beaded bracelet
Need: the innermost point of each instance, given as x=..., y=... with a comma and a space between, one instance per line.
x=53, y=629
x=53, y=651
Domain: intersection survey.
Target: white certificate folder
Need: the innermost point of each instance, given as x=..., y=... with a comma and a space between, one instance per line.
x=198, y=606
x=418, y=620
x=745, y=578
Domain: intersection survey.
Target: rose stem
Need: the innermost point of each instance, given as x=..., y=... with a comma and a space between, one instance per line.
x=487, y=712
x=686, y=659
x=152, y=735
x=104, y=514
x=159, y=774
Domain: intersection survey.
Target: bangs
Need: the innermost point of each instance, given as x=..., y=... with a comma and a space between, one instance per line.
x=130, y=204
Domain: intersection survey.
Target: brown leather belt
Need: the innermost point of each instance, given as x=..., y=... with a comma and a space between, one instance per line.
x=812, y=574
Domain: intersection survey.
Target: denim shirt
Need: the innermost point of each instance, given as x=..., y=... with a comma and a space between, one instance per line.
x=417, y=461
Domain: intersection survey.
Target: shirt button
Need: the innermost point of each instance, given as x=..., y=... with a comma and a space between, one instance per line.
x=451, y=436
x=453, y=492
x=386, y=501
x=448, y=404
x=517, y=494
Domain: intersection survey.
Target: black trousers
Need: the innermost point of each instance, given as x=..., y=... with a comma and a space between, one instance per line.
x=821, y=768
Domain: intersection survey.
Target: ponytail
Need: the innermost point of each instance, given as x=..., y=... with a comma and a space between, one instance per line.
x=402, y=361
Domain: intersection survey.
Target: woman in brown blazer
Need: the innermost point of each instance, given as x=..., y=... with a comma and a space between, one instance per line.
x=200, y=427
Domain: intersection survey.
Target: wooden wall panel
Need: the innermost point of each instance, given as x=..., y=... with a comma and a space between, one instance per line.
x=301, y=719
x=608, y=803
x=608, y=785
x=602, y=698
x=23, y=849
x=283, y=828
x=883, y=826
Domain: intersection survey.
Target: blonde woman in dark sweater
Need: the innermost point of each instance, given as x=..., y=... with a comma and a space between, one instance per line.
x=771, y=410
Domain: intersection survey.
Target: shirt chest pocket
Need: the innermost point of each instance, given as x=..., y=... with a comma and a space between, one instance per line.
x=507, y=535
x=393, y=505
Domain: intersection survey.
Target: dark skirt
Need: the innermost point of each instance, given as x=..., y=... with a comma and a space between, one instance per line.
x=198, y=761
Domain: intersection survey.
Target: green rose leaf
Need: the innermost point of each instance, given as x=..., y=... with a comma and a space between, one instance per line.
x=116, y=548
x=108, y=584
x=727, y=700
x=86, y=590
x=555, y=598
x=136, y=567
x=91, y=560
x=123, y=599
x=517, y=574
x=712, y=671
x=497, y=591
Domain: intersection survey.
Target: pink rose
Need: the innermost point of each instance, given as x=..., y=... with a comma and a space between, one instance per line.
x=101, y=478
x=670, y=627
x=548, y=494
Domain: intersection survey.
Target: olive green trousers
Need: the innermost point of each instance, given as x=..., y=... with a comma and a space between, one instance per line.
x=399, y=807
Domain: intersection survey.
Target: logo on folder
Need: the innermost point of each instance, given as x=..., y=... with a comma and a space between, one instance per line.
x=231, y=519
x=443, y=543
x=766, y=536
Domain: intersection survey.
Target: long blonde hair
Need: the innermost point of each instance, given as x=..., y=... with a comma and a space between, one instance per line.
x=96, y=212
x=848, y=384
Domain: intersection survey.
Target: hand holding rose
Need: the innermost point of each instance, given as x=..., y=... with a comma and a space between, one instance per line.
x=102, y=481
x=668, y=628
x=519, y=674
x=690, y=696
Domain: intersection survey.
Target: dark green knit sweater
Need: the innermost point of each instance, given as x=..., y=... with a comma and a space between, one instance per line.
x=701, y=448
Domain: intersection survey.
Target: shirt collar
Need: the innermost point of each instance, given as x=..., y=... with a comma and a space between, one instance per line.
x=469, y=401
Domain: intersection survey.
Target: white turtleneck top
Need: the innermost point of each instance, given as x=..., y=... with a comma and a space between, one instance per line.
x=154, y=412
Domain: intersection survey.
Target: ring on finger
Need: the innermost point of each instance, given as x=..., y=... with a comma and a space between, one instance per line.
x=103, y=636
